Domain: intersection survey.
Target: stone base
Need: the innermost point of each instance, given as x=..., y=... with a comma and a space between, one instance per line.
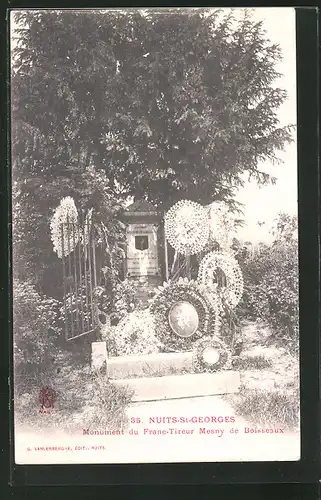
x=98, y=356
x=149, y=365
x=182, y=386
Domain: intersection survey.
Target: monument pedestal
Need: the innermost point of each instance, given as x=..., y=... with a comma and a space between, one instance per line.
x=182, y=386
x=141, y=374
x=121, y=367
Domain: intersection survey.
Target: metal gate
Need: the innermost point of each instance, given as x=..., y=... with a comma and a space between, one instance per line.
x=79, y=278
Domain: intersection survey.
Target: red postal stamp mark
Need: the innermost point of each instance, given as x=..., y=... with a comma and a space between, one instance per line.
x=47, y=397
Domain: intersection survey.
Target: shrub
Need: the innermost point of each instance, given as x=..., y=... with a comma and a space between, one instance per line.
x=35, y=328
x=118, y=299
x=124, y=299
x=271, y=291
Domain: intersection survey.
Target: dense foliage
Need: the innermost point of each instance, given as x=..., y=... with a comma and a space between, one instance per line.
x=117, y=299
x=34, y=321
x=271, y=279
x=148, y=98
x=33, y=252
x=137, y=104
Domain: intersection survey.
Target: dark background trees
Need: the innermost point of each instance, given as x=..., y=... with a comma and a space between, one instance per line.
x=163, y=107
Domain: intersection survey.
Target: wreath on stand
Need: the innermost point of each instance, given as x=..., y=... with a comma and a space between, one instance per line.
x=187, y=227
x=183, y=314
x=231, y=291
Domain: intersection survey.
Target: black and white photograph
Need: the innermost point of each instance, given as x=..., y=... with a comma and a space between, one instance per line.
x=155, y=235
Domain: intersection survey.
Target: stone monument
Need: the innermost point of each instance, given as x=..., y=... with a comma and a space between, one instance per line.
x=143, y=236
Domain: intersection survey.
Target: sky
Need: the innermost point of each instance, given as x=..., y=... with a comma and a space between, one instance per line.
x=263, y=204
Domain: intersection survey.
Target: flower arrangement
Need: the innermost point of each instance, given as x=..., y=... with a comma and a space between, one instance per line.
x=64, y=219
x=221, y=225
x=174, y=294
x=135, y=334
x=231, y=289
x=187, y=227
x=124, y=299
x=210, y=355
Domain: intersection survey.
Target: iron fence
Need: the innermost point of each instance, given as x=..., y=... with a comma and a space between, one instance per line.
x=79, y=278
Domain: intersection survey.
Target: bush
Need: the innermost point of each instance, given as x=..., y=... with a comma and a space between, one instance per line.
x=271, y=286
x=124, y=299
x=34, y=331
x=118, y=299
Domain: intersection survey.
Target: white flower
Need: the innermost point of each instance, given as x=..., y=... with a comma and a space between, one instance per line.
x=222, y=225
x=187, y=227
x=135, y=334
x=63, y=225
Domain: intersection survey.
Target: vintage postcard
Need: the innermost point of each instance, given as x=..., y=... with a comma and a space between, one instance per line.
x=155, y=245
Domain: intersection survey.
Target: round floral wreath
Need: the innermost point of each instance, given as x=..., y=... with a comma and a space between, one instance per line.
x=182, y=291
x=187, y=227
x=224, y=355
x=233, y=291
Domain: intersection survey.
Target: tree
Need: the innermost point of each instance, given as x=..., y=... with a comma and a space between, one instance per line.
x=168, y=106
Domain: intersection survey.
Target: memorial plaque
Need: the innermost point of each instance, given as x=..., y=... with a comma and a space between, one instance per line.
x=142, y=250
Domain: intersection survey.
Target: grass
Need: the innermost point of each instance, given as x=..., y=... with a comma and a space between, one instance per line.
x=83, y=400
x=251, y=363
x=262, y=407
x=107, y=407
